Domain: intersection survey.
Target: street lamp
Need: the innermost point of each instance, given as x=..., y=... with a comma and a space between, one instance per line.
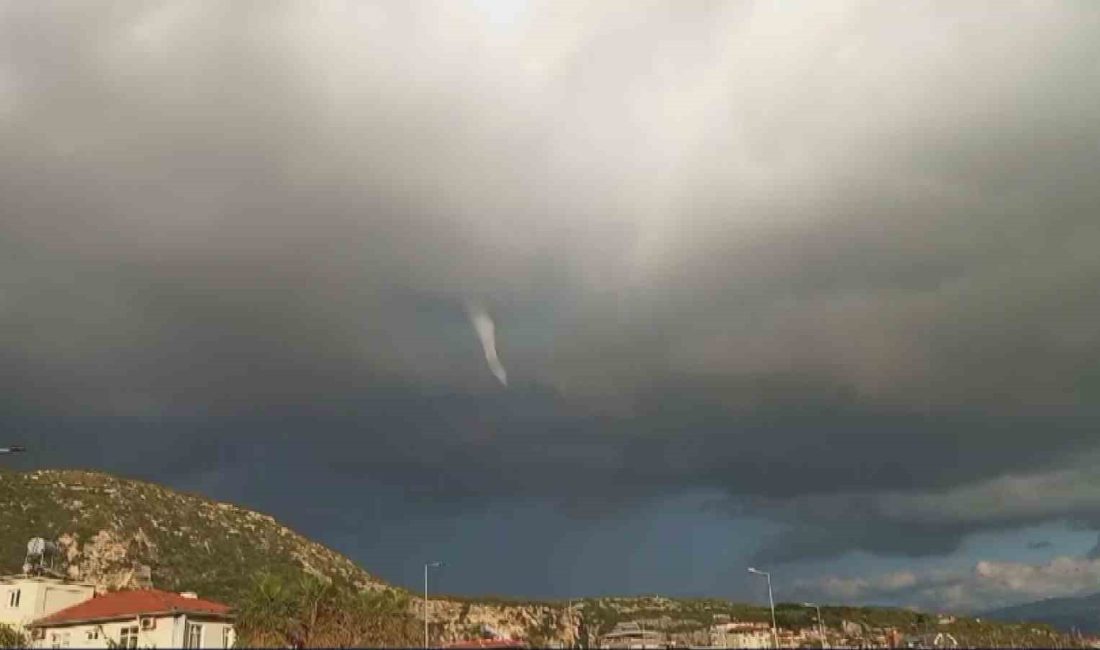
x=820, y=624
x=426, y=567
x=13, y=449
x=771, y=602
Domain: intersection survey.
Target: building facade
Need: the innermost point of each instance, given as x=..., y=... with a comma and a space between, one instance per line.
x=24, y=599
x=632, y=636
x=146, y=618
x=741, y=635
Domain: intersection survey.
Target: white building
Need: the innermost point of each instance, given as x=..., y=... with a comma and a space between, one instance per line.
x=26, y=598
x=146, y=618
x=632, y=636
x=741, y=634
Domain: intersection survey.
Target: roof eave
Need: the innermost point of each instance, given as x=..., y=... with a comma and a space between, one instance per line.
x=126, y=617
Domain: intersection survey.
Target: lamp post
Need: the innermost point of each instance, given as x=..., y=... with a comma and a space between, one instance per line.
x=820, y=624
x=771, y=603
x=426, y=567
x=570, y=620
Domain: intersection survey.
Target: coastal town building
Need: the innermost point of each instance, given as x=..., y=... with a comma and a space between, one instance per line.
x=741, y=634
x=632, y=636
x=25, y=598
x=802, y=638
x=936, y=640
x=146, y=618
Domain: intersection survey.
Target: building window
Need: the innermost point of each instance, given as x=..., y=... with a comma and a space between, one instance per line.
x=13, y=598
x=55, y=640
x=93, y=633
x=128, y=637
x=227, y=637
x=192, y=637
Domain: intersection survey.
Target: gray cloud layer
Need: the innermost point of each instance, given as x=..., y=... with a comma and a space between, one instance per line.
x=986, y=586
x=807, y=254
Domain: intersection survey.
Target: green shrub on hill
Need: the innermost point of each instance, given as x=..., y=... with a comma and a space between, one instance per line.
x=309, y=612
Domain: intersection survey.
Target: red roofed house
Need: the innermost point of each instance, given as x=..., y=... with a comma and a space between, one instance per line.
x=146, y=618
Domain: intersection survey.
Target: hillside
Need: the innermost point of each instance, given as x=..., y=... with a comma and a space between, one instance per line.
x=1082, y=613
x=684, y=622
x=118, y=532
x=123, y=533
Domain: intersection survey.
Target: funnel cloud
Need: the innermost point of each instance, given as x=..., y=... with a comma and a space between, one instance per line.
x=486, y=333
x=817, y=280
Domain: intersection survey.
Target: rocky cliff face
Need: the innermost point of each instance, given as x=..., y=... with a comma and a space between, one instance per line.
x=544, y=624
x=107, y=560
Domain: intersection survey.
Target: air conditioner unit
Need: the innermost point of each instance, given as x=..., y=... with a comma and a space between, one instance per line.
x=147, y=622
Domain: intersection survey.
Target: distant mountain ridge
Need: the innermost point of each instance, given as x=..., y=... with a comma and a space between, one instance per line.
x=1080, y=613
x=1075, y=612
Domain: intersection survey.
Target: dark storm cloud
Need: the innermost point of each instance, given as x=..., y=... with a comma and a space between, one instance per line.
x=837, y=263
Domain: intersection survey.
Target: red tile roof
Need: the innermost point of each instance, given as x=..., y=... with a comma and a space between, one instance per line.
x=131, y=604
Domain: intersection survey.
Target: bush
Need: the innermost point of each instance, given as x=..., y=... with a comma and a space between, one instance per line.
x=311, y=613
x=10, y=638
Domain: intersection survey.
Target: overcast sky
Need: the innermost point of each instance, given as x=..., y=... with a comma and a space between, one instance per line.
x=810, y=285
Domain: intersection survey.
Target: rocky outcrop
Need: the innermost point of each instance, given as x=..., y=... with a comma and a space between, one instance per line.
x=545, y=624
x=107, y=559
